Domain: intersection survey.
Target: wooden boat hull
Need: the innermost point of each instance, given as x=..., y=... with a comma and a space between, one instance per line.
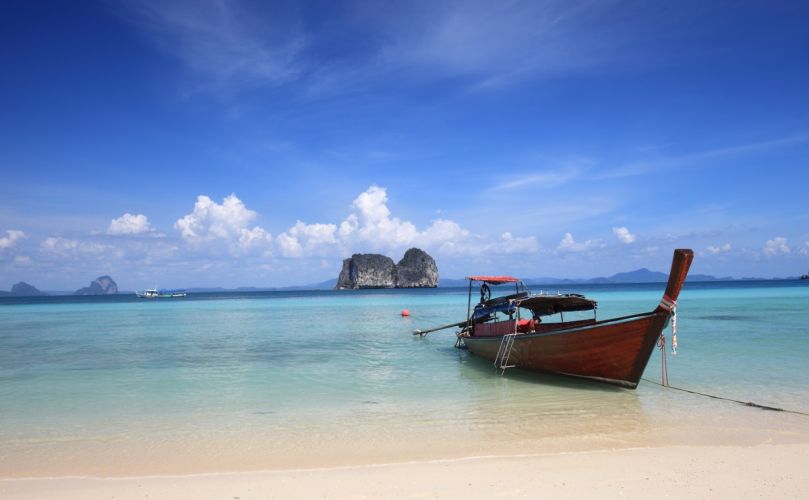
x=615, y=351
x=611, y=351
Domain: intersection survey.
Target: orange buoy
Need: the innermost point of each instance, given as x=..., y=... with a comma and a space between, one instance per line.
x=405, y=312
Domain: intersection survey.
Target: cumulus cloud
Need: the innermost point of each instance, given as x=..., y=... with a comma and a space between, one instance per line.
x=129, y=224
x=448, y=236
x=776, y=246
x=568, y=244
x=623, y=234
x=512, y=244
x=713, y=250
x=306, y=239
x=805, y=248
x=371, y=225
x=213, y=228
x=228, y=223
x=11, y=240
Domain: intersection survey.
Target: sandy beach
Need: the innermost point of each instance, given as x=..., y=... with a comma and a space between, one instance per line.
x=763, y=471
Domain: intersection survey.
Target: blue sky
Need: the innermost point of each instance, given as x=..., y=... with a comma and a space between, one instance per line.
x=235, y=143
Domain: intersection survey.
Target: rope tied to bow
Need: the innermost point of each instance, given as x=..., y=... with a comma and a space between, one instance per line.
x=670, y=305
x=664, y=370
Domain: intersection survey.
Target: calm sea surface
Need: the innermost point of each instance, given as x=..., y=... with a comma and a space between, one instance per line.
x=117, y=385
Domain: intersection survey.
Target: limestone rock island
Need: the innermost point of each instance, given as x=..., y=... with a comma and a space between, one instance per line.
x=103, y=285
x=416, y=270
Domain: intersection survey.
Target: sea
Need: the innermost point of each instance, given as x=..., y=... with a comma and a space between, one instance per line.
x=216, y=382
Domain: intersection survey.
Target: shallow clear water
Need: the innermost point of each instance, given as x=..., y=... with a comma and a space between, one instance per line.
x=236, y=381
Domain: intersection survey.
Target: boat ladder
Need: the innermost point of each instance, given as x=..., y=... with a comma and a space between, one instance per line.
x=504, y=352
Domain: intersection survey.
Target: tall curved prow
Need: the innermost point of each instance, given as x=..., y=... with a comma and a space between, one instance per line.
x=680, y=264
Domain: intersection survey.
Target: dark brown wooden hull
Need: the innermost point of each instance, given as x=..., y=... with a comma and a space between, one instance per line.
x=609, y=351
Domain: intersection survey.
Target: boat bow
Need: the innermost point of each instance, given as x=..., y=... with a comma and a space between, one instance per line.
x=680, y=264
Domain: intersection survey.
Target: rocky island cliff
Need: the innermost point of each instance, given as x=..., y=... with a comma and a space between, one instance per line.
x=103, y=285
x=416, y=270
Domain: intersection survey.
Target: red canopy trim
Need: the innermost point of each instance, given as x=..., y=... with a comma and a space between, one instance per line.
x=494, y=280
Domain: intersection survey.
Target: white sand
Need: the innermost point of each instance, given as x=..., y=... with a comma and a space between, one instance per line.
x=763, y=471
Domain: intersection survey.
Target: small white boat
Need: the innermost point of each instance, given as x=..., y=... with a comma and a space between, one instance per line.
x=154, y=293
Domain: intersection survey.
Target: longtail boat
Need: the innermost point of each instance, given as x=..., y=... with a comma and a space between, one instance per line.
x=509, y=330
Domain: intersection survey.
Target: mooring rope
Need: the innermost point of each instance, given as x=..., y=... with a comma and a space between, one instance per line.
x=664, y=369
x=745, y=403
x=671, y=306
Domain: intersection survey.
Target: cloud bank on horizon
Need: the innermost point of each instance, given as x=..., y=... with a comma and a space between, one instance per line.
x=214, y=231
x=238, y=142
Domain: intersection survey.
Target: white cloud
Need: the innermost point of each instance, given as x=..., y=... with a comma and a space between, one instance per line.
x=713, y=250
x=289, y=245
x=568, y=244
x=307, y=239
x=376, y=226
x=511, y=244
x=129, y=224
x=254, y=237
x=623, y=234
x=11, y=240
x=805, y=248
x=227, y=223
x=776, y=246
x=447, y=235
x=371, y=226
x=348, y=226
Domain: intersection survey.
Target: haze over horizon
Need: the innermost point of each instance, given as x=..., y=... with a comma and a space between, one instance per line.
x=239, y=143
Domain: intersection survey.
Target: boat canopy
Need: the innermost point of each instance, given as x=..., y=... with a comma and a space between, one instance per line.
x=494, y=280
x=484, y=311
x=546, y=305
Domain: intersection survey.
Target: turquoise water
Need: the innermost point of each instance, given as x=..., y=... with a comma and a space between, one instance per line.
x=314, y=378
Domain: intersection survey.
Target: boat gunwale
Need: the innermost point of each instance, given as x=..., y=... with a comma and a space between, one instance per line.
x=626, y=319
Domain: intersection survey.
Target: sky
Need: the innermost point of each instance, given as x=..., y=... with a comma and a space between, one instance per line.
x=236, y=143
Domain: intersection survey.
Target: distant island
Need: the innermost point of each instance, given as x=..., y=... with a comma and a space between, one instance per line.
x=641, y=275
x=103, y=285
x=416, y=270
x=23, y=289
